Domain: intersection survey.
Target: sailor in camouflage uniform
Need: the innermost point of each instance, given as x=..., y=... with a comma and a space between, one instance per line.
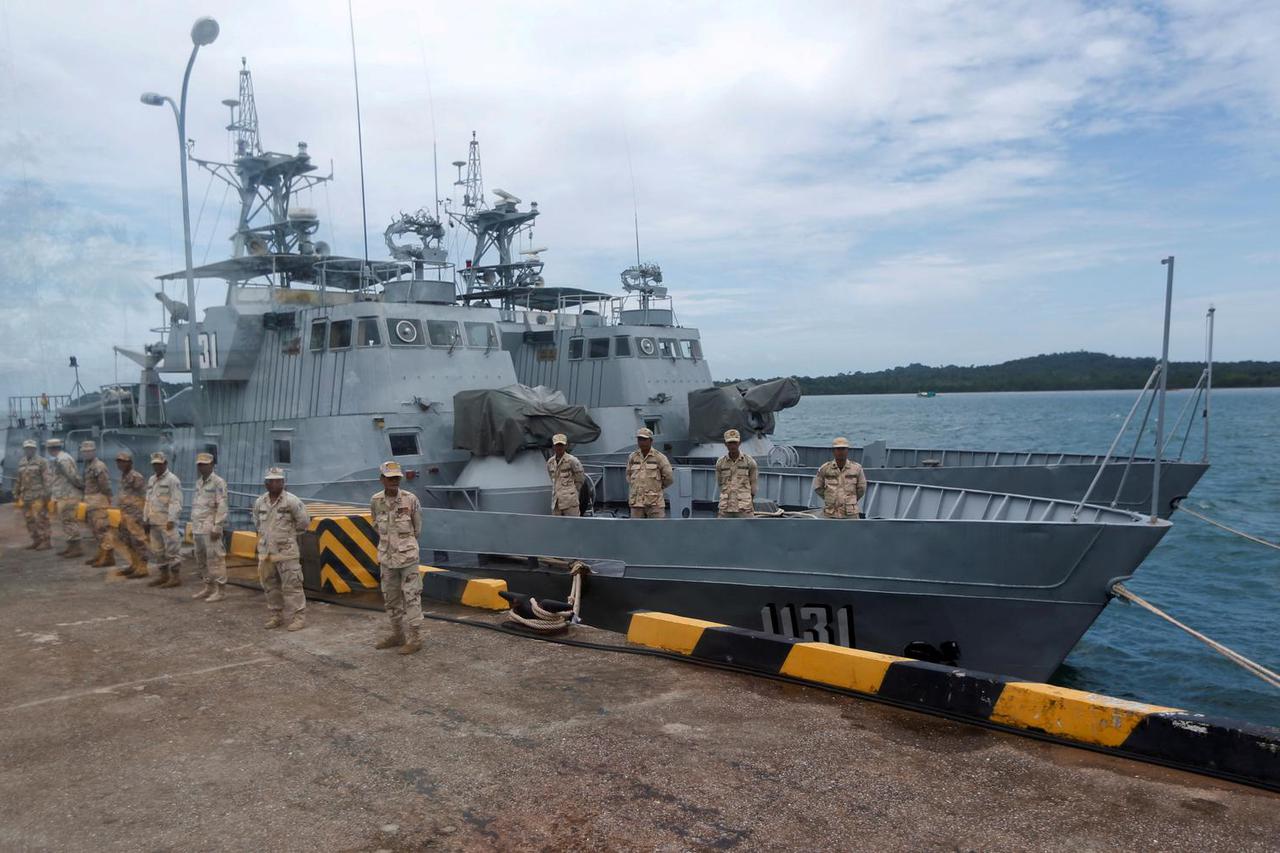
x=67, y=490
x=648, y=476
x=208, y=517
x=567, y=477
x=397, y=516
x=160, y=514
x=132, y=500
x=737, y=475
x=97, y=500
x=32, y=493
x=279, y=517
x=840, y=482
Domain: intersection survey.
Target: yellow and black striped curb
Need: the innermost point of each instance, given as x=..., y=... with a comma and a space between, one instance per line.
x=1227, y=748
x=347, y=552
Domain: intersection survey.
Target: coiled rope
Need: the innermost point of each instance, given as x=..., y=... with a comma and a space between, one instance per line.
x=547, y=620
x=1235, y=657
x=1241, y=533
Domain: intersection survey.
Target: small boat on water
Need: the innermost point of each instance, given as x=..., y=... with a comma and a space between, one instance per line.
x=927, y=394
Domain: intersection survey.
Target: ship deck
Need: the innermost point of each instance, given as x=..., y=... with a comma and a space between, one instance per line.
x=135, y=718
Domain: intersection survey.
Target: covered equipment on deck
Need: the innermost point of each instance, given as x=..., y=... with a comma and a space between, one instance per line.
x=504, y=421
x=744, y=407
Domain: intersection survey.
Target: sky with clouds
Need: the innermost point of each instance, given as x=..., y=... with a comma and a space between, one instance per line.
x=828, y=187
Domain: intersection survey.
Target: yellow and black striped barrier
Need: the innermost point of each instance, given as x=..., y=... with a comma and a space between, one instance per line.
x=1226, y=748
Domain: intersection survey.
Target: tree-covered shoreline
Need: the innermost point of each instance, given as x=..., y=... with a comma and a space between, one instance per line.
x=1066, y=371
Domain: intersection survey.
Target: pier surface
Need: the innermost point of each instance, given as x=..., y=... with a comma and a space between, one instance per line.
x=135, y=718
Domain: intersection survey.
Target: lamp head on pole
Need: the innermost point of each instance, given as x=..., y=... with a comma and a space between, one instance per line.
x=204, y=31
x=151, y=99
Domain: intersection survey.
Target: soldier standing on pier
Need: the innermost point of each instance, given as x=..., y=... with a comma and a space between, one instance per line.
x=97, y=499
x=129, y=532
x=67, y=489
x=280, y=516
x=397, y=516
x=840, y=482
x=33, y=493
x=648, y=476
x=737, y=475
x=208, y=517
x=163, y=506
x=567, y=477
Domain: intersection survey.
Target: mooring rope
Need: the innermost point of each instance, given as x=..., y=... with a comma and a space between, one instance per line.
x=1235, y=657
x=547, y=620
x=1251, y=538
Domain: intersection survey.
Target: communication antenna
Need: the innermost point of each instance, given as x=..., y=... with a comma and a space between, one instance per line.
x=355, y=73
x=635, y=202
x=245, y=139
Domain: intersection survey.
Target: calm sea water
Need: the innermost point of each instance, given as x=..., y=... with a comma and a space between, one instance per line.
x=1217, y=583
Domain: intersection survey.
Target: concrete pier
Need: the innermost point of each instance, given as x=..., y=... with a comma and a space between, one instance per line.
x=135, y=718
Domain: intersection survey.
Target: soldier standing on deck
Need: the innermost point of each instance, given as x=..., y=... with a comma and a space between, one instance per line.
x=208, y=517
x=160, y=514
x=132, y=500
x=648, y=475
x=97, y=499
x=67, y=489
x=33, y=494
x=840, y=482
x=567, y=477
x=280, y=516
x=736, y=475
x=397, y=516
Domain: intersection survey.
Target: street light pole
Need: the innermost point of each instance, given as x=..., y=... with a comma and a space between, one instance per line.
x=203, y=32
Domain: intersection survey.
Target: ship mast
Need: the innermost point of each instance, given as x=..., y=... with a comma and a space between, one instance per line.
x=266, y=183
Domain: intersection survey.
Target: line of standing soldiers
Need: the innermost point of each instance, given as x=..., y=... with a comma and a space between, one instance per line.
x=840, y=482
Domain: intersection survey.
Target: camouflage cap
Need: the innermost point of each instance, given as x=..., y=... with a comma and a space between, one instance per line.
x=124, y=456
x=53, y=442
x=30, y=442
x=559, y=438
x=731, y=435
x=158, y=458
x=390, y=469
x=274, y=474
x=87, y=446
x=202, y=458
x=644, y=432
x=840, y=442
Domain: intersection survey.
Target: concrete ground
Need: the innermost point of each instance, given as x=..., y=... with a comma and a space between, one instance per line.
x=133, y=718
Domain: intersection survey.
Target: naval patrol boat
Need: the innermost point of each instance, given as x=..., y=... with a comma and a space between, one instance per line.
x=327, y=365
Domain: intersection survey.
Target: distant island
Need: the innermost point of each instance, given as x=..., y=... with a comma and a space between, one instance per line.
x=1063, y=371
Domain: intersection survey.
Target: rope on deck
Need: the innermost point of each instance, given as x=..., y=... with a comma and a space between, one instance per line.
x=1235, y=657
x=1205, y=518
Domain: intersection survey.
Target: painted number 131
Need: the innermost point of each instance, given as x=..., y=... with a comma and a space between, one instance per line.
x=813, y=623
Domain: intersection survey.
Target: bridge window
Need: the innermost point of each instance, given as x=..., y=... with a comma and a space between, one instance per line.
x=648, y=347
x=576, y=346
x=622, y=346
x=403, y=443
x=404, y=333
x=369, y=332
x=482, y=335
x=690, y=348
x=667, y=347
x=340, y=334
x=319, y=331
x=443, y=333
x=598, y=348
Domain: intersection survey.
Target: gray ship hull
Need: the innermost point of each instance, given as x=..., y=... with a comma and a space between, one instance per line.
x=1014, y=597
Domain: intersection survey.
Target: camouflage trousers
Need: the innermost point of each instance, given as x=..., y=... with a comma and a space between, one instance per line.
x=731, y=513
x=99, y=521
x=570, y=511
x=67, y=520
x=282, y=582
x=164, y=548
x=36, y=514
x=211, y=557
x=658, y=511
x=129, y=533
x=402, y=591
